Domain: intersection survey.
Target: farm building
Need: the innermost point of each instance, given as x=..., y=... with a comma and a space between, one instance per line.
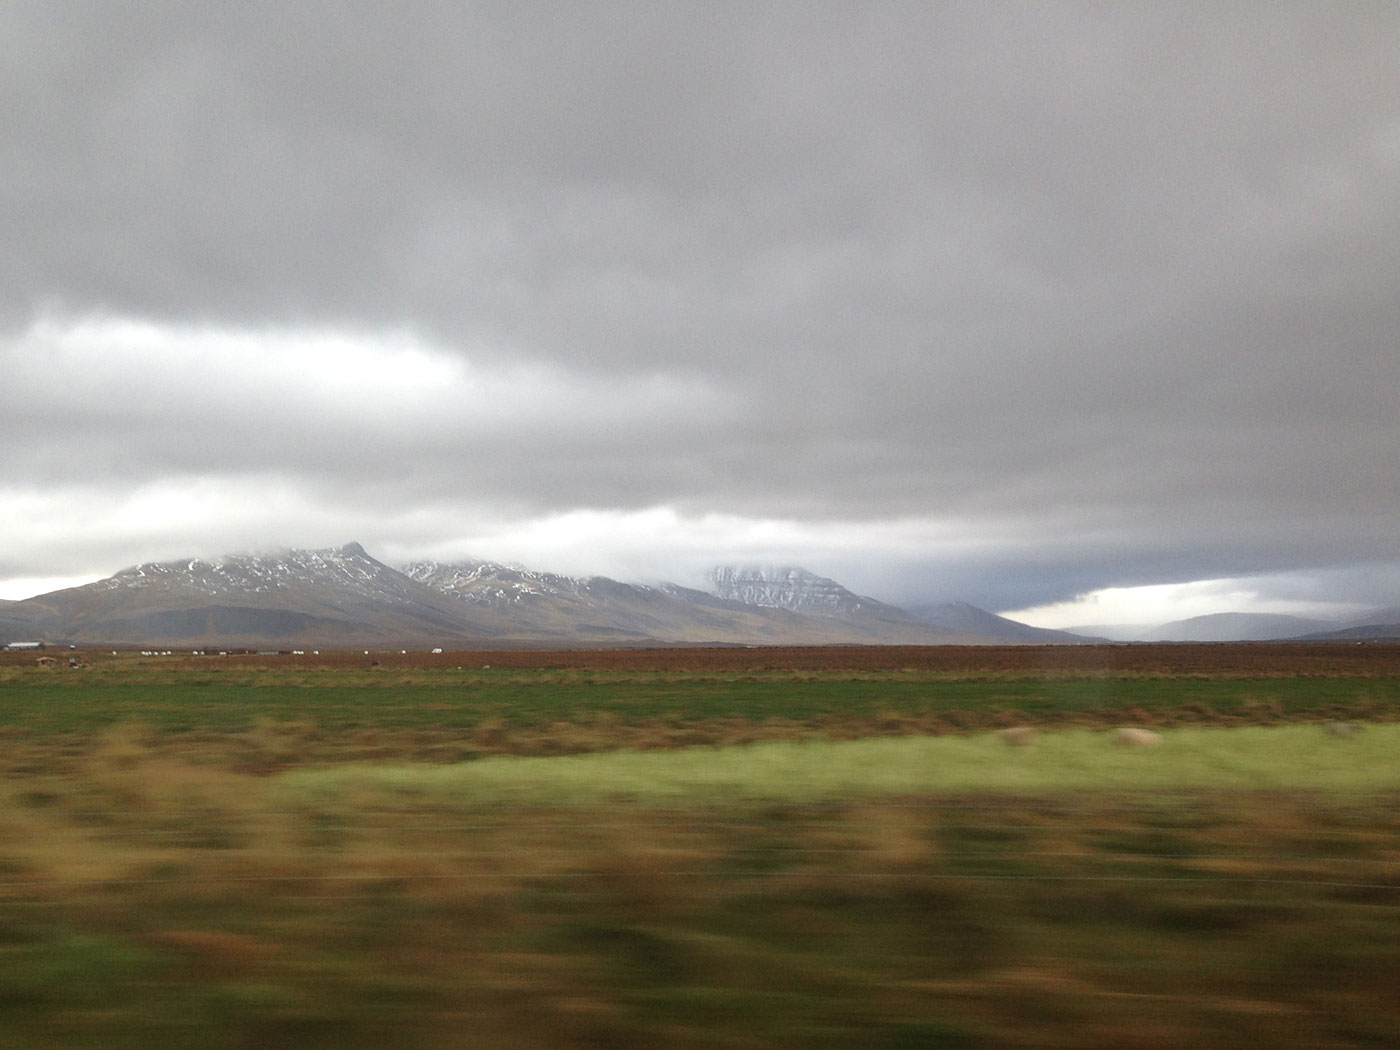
x=15, y=647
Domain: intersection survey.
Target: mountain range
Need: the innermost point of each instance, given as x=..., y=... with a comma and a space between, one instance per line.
x=343, y=597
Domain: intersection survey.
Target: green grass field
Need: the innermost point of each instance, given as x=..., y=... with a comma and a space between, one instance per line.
x=1282, y=758
x=266, y=858
x=234, y=700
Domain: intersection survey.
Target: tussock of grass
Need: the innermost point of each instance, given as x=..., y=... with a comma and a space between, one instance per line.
x=1258, y=758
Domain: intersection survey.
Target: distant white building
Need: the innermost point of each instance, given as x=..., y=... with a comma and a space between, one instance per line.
x=13, y=647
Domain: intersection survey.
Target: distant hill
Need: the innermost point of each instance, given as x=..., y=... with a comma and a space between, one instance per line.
x=1236, y=627
x=1251, y=627
x=1363, y=632
x=13, y=622
x=960, y=616
x=1377, y=625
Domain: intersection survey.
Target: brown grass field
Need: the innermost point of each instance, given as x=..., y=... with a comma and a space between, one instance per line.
x=1249, y=659
x=180, y=865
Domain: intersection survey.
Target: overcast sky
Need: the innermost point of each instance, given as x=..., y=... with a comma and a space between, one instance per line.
x=1014, y=303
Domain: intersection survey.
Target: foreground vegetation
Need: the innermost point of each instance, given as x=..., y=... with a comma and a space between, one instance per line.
x=1286, y=758
x=388, y=858
x=277, y=711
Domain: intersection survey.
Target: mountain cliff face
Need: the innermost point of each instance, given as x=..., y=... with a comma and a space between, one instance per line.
x=788, y=587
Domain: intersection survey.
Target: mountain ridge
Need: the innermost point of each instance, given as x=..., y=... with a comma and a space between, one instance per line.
x=343, y=597
x=1254, y=627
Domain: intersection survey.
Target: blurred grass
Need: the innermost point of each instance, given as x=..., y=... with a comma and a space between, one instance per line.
x=1285, y=758
x=249, y=861
x=1099, y=920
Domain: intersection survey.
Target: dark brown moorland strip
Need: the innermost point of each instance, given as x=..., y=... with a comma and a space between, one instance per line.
x=1243, y=659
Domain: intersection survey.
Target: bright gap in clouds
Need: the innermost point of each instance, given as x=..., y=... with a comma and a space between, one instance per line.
x=17, y=588
x=210, y=377
x=1166, y=602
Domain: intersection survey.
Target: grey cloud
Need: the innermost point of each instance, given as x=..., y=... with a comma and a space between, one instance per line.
x=1120, y=272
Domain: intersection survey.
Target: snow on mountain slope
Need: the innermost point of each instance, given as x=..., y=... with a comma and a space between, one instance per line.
x=797, y=590
x=788, y=587
x=551, y=605
x=342, y=596
x=490, y=583
x=333, y=596
x=342, y=571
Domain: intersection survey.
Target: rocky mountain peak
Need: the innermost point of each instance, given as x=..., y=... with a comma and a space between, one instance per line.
x=786, y=587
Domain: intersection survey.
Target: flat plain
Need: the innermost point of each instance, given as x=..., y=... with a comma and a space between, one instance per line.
x=702, y=847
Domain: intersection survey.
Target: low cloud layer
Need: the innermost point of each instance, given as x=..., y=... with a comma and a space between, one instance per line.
x=992, y=301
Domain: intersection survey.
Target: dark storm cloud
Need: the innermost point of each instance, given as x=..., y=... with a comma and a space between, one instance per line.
x=1112, y=287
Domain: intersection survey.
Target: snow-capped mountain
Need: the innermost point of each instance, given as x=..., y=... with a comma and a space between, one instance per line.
x=547, y=605
x=796, y=590
x=788, y=587
x=348, y=569
x=342, y=596
x=334, y=596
